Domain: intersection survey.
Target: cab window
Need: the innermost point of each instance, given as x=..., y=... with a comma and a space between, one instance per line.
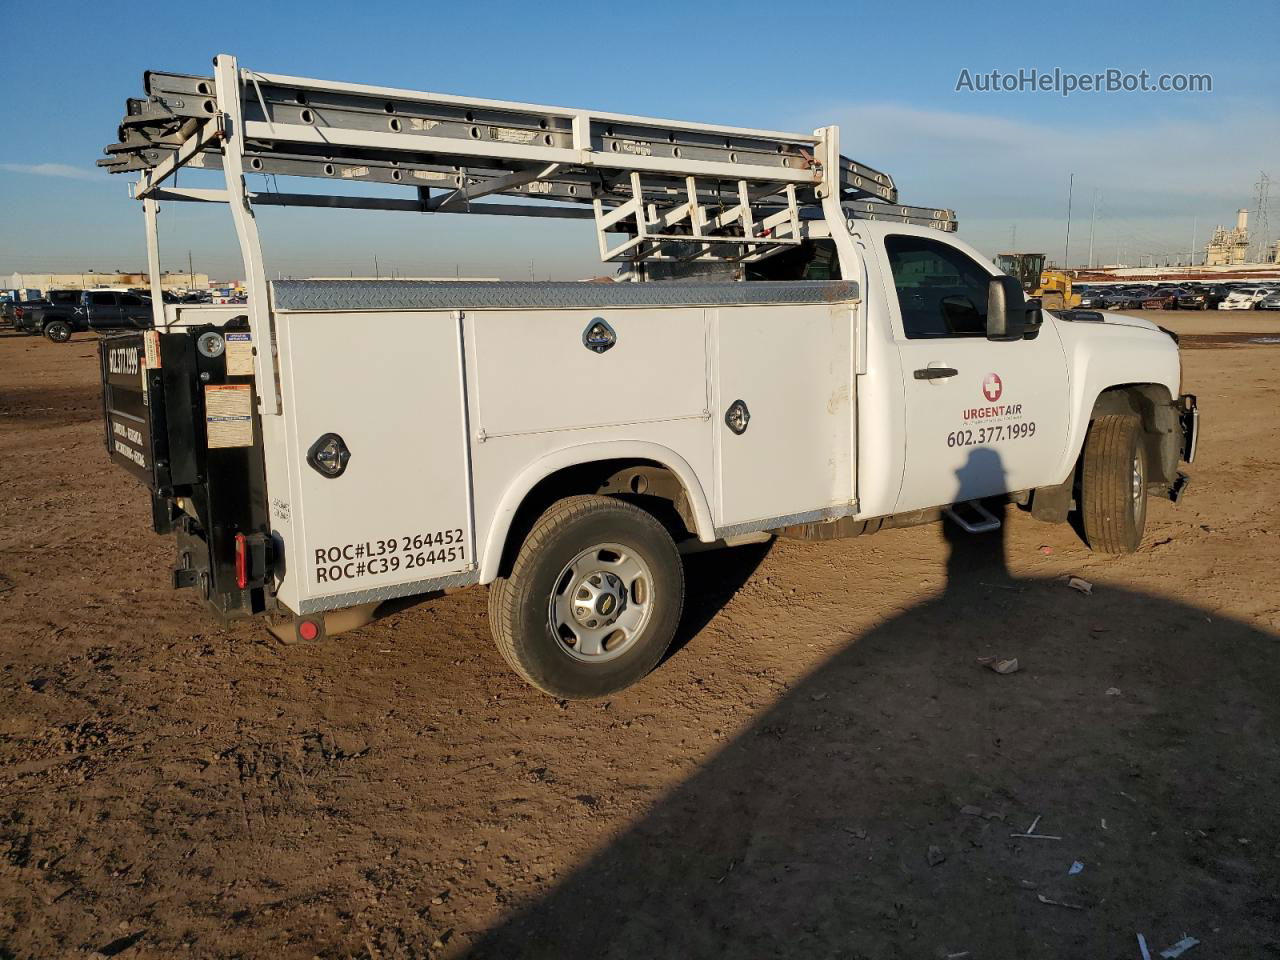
x=808, y=260
x=102, y=299
x=942, y=292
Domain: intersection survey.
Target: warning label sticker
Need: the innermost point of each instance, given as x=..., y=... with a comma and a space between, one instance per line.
x=239, y=354
x=228, y=415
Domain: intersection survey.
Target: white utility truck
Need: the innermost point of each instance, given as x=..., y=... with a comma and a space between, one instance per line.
x=789, y=352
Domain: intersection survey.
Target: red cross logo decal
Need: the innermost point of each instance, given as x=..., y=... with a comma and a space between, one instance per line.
x=992, y=387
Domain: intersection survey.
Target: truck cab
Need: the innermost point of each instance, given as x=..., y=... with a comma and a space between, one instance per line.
x=953, y=388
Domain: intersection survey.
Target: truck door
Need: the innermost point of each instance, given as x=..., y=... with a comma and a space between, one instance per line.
x=104, y=309
x=968, y=397
x=134, y=311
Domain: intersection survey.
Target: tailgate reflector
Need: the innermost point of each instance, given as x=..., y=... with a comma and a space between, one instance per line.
x=242, y=561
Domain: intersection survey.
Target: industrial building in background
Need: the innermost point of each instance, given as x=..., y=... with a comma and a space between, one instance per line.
x=1229, y=247
x=92, y=280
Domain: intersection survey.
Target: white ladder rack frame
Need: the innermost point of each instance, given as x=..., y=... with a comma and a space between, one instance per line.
x=668, y=186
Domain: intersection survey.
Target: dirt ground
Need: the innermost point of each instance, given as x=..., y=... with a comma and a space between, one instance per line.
x=819, y=769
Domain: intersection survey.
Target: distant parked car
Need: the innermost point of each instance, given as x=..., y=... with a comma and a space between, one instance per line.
x=1122, y=300
x=93, y=310
x=1270, y=302
x=1166, y=298
x=1195, y=298
x=1216, y=294
x=1093, y=300
x=1244, y=298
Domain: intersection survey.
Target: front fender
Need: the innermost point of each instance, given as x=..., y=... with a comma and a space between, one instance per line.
x=1102, y=358
x=576, y=455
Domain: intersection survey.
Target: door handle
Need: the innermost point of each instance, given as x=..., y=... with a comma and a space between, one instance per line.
x=936, y=373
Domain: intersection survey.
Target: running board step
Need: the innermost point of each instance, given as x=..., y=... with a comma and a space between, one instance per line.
x=986, y=520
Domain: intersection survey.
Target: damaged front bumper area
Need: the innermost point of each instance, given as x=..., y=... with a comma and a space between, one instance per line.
x=1189, y=427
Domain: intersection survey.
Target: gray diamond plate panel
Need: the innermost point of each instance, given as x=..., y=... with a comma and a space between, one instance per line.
x=353, y=295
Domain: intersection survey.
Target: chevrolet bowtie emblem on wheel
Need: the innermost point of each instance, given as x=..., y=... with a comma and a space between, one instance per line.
x=599, y=336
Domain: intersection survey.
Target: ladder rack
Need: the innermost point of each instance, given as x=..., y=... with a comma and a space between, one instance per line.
x=714, y=192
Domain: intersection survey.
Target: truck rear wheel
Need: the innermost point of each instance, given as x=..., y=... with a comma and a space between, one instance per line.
x=59, y=331
x=593, y=599
x=1114, y=484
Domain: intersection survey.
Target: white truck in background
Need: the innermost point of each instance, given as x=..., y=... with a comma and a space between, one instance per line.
x=796, y=355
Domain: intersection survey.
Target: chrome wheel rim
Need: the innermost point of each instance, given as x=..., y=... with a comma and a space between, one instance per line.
x=1139, y=481
x=600, y=603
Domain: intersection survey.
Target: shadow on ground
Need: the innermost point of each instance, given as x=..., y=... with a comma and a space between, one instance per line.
x=869, y=812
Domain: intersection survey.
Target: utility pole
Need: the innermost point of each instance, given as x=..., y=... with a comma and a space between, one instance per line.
x=1066, y=246
x=1093, y=223
x=1195, y=224
x=191, y=273
x=1013, y=239
x=376, y=274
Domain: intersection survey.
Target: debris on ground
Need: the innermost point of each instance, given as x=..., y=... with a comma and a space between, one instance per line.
x=1059, y=903
x=1080, y=584
x=969, y=810
x=1142, y=947
x=1046, y=550
x=1113, y=691
x=1002, y=665
x=936, y=856
x=1030, y=833
x=1179, y=948
x=1076, y=867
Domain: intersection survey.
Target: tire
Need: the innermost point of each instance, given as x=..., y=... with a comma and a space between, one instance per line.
x=59, y=331
x=1113, y=485
x=589, y=557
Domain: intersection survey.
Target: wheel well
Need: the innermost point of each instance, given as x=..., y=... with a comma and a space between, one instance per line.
x=646, y=483
x=1153, y=405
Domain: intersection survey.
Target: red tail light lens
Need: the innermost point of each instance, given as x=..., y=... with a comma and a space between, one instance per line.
x=242, y=562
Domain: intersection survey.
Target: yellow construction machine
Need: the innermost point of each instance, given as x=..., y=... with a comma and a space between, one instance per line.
x=1051, y=287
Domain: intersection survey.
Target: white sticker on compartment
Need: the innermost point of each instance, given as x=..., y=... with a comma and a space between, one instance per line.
x=239, y=354
x=228, y=415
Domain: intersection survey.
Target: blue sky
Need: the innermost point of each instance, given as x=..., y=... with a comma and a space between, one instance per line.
x=1162, y=164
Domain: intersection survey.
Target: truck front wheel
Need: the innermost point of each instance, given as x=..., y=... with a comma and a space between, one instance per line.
x=59, y=331
x=1113, y=484
x=593, y=599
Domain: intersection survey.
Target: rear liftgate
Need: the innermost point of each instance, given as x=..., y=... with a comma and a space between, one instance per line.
x=179, y=410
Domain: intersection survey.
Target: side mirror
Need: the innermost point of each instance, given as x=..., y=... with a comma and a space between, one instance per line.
x=1006, y=309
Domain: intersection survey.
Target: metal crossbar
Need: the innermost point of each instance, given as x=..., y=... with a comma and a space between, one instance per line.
x=723, y=192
